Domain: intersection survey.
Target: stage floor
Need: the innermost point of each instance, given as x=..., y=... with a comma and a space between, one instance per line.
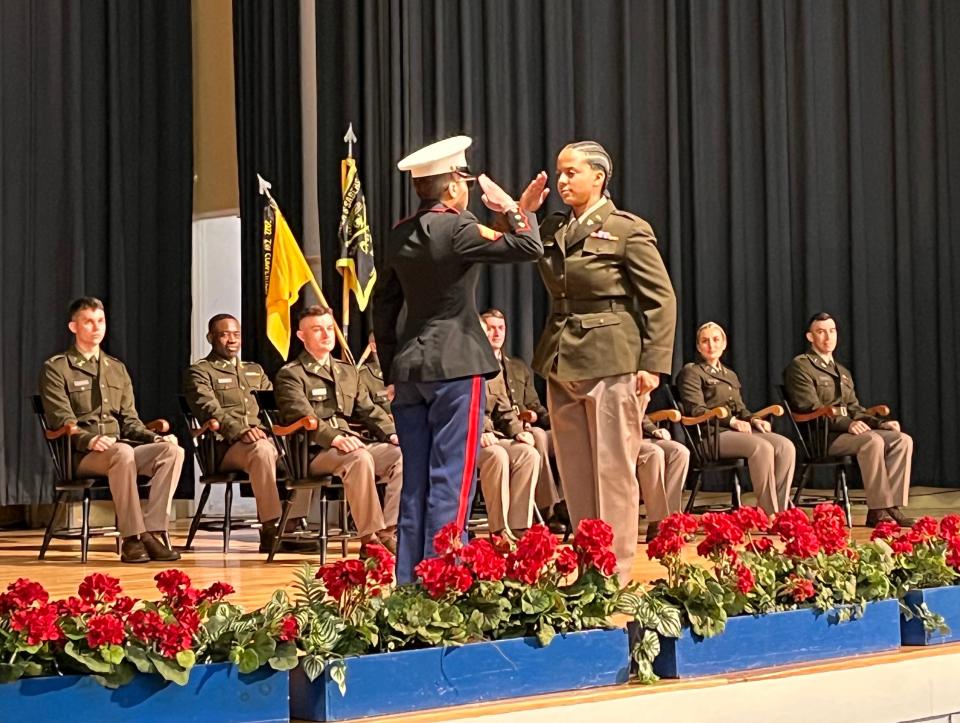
x=255, y=581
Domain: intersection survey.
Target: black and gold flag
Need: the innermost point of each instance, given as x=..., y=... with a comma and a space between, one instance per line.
x=356, y=243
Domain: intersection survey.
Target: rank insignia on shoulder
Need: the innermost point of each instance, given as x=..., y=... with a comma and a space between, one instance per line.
x=604, y=235
x=488, y=233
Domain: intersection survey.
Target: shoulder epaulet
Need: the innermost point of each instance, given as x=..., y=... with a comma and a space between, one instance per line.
x=627, y=214
x=55, y=357
x=290, y=364
x=112, y=358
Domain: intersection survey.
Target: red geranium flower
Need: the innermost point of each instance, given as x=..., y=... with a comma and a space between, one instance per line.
x=760, y=545
x=664, y=545
x=924, y=529
x=722, y=531
x=289, y=628
x=745, y=580
x=600, y=559
x=566, y=561
x=98, y=587
x=448, y=539
x=146, y=625
x=340, y=575
x=902, y=544
x=438, y=577
x=799, y=588
x=830, y=527
x=172, y=582
x=592, y=533
x=22, y=593
x=484, y=560
x=884, y=530
x=38, y=624
x=950, y=526
x=679, y=523
x=188, y=619
x=380, y=564
x=74, y=606
x=749, y=519
x=953, y=552
x=123, y=605
x=105, y=630
x=217, y=591
x=172, y=639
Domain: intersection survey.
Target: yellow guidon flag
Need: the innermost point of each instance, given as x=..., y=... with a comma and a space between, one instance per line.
x=285, y=271
x=356, y=243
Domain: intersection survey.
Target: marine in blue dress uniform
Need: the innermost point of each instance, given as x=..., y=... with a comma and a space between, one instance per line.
x=438, y=356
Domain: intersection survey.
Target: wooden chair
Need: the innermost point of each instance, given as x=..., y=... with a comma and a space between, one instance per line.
x=293, y=442
x=812, y=431
x=67, y=483
x=204, y=438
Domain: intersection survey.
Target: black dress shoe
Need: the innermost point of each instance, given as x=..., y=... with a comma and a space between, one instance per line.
x=268, y=533
x=652, y=529
x=157, y=550
x=132, y=550
x=874, y=517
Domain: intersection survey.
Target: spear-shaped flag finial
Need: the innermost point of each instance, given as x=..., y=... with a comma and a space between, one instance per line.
x=350, y=139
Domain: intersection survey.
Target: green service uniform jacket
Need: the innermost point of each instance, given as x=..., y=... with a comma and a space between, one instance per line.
x=523, y=394
x=500, y=416
x=372, y=375
x=613, y=309
x=219, y=389
x=812, y=383
x=335, y=395
x=96, y=395
x=702, y=388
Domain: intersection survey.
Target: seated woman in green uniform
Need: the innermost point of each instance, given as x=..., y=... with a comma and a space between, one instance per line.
x=708, y=384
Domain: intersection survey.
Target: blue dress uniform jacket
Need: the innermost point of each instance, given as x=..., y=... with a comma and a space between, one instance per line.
x=437, y=360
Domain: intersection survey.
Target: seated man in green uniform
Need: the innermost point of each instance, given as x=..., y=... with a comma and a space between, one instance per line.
x=88, y=387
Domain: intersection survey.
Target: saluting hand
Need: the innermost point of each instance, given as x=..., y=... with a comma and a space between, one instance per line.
x=535, y=193
x=494, y=197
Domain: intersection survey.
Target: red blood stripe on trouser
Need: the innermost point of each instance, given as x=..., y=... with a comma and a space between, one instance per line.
x=470, y=458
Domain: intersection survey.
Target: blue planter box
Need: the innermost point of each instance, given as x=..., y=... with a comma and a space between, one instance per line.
x=794, y=636
x=941, y=600
x=215, y=692
x=439, y=677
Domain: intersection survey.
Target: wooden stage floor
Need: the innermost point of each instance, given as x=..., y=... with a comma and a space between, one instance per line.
x=255, y=581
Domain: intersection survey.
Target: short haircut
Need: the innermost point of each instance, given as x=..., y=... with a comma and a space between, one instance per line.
x=217, y=318
x=430, y=188
x=315, y=310
x=710, y=325
x=493, y=313
x=597, y=158
x=820, y=316
x=84, y=302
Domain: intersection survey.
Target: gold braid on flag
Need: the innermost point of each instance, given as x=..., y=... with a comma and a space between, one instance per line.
x=356, y=244
x=285, y=271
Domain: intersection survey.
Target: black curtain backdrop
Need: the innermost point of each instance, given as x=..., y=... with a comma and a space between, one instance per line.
x=266, y=39
x=96, y=156
x=792, y=157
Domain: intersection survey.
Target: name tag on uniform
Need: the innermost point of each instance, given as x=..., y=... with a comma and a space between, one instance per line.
x=81, y=382
x=225, y=380
x=319, y=392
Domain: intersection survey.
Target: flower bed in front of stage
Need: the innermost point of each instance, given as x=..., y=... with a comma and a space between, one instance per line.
x=822, y=595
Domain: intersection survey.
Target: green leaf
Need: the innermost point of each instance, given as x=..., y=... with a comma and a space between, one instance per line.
x=338, y=674
x=186, y=659
x=669, y=624
x=249, y=661
x=94, y=664
x=112, y=654
x=545, y=635
x=169, y=669
x=122, y=674
x=312, y=666
x=138, y=656
x=650, y=645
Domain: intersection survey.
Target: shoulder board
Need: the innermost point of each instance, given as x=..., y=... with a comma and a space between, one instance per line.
x=55, y=357
x=290, y=365
x=112, y=358
x=627, y=214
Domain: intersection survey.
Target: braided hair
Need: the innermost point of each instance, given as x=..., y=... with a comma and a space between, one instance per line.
x=597, y=158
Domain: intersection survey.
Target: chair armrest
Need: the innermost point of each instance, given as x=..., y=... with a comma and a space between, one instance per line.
x=160, y=426
x=879, y=410
x=815, y=414
x=67, y=430
x=211, y=425
x=774, y=410
x=715, y=413
x=307, y=423
x=664, y=415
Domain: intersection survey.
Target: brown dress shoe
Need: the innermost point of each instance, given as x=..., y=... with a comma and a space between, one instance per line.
x=157, y=550
x=874, y=517
x=132, y=550
x=388, y=541
x=652, y=529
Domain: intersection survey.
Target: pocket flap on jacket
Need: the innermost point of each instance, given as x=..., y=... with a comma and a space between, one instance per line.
x=593, y=321
x=600, y=246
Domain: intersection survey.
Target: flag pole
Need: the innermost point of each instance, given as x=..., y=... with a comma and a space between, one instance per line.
x=265, y=187
x=350, y=138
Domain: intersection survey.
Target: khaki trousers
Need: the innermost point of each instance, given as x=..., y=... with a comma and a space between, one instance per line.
x=546, y=492
x=121, y=463
x=259, y=461
x=771, y=459
x=508, y=477
x=661, y=470
x=885, y=458
x=596, y=435
x=359, y=471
